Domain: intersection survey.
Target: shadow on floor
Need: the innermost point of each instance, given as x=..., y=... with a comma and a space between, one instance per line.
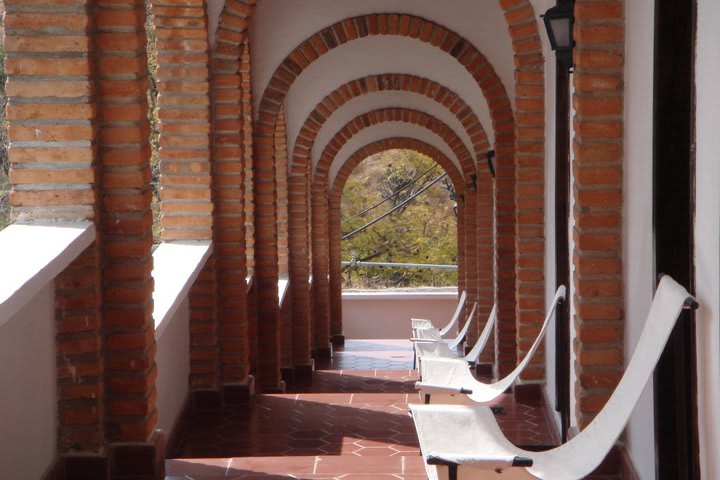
x=288, y=425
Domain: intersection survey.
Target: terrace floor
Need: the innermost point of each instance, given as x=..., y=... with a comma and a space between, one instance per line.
x=356, y=407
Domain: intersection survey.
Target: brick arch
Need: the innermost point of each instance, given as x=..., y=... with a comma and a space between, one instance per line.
x=395, y=143
x=326, y=325
x=322, y=42
x=407, y=26
x=522, y=24
x=334, y=209
x=393, y=114
x=478, y=210
x=302, y=151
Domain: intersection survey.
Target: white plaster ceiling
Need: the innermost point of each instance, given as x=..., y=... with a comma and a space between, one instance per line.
x=370, y=102
x=359, y=58
x=384, y=131
x=280, y=25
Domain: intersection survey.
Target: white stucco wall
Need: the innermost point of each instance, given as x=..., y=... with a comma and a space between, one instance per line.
x=638, y=254
x=707, y=235
x=387, y=315
x=28, y=388
x=173, y=366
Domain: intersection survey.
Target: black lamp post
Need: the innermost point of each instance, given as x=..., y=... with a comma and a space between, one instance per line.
x=491, y=166
x=559, y=22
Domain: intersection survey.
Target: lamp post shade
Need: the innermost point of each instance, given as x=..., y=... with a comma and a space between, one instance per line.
x=559, y=22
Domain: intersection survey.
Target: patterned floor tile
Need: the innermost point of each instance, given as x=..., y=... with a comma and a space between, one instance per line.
x=324, y=430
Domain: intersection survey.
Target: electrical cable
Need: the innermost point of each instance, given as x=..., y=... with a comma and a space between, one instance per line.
x=393, y=195
x=410, y=199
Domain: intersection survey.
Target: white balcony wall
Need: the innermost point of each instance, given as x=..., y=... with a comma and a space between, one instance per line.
x=175, y=269
x=387, y=314
x=28, y=372
x=28, y=388
x=173, y=364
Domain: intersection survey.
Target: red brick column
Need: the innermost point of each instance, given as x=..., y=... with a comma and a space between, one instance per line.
x=485, y=240
x=281, y=179
x=229, y=165
x=54, y=176
x=266, y=253
x=127, y=282
x=185, y=180
x=460, y=196
x=597, y=169
x=320, y=267
x=530, y=178
x=248, y=158
x=335, y=259
x=470, y=253
x=281, y=167
x=298, y=231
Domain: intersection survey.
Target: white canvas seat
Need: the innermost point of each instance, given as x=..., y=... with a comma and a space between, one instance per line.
x=442, y=350
x=449, y=381
x=433, y=338
x=422, y=323
x=464, y=442
x=431, y=335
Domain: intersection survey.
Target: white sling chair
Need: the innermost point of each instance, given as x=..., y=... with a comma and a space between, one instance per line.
x=460, y=442
x=432, y=336
x=422, y=323
x=442, y=350
x=449, y=381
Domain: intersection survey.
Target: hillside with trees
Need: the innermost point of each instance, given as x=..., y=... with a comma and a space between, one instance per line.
x=423, y=230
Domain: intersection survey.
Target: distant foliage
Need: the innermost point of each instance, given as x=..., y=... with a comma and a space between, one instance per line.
x=423, y=231
x=153, y=117
x=4, y=144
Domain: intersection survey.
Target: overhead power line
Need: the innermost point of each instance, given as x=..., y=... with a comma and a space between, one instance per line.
x=410, y=199
x=392, y=195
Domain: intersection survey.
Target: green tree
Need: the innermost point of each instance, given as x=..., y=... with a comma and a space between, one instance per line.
x=423, y=231
x=4, y=143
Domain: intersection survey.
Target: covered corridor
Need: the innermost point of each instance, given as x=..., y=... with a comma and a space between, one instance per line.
x=176, y=170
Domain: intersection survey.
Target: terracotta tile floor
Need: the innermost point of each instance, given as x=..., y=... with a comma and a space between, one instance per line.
x=356, y=407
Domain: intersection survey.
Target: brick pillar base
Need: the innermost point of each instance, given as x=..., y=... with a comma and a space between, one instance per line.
x=142, y=461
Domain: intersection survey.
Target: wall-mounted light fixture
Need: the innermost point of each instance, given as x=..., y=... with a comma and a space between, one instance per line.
x=490, y=155
x=559, y=21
